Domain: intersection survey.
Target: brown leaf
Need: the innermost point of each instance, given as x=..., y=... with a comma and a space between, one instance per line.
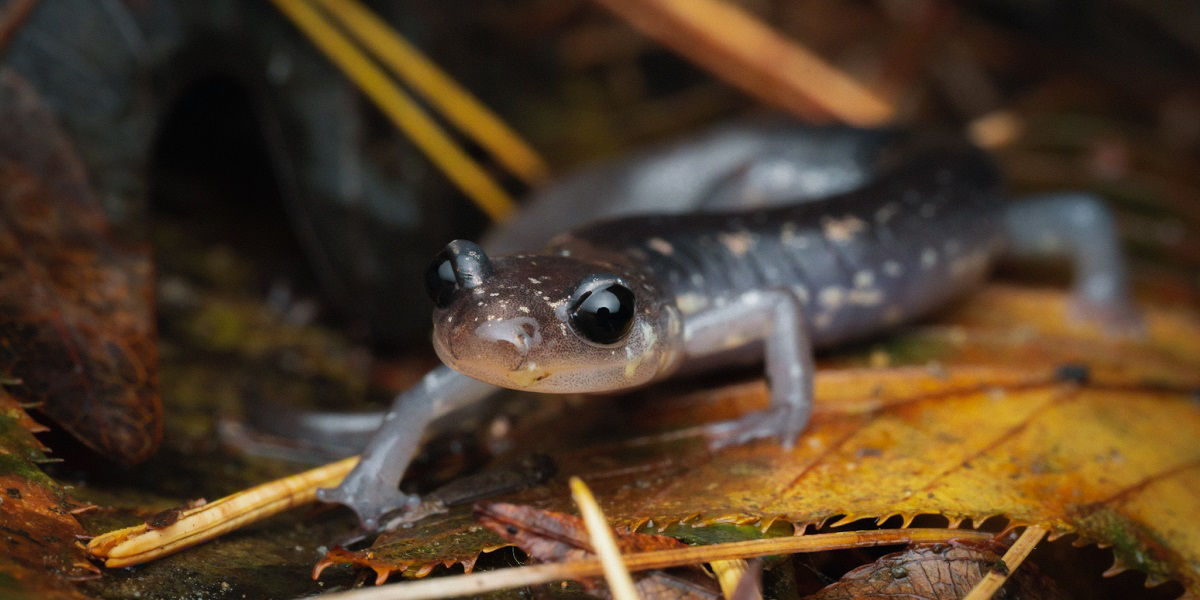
x=549, y=536
x=76, y=313
x=39, y=533
x=937, y=572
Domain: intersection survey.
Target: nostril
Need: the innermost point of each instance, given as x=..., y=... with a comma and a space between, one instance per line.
x=513, y=338
x=522, y=342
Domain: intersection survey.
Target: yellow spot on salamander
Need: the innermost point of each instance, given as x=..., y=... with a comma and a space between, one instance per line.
x=649, y=336
x=886, y=212
x=526, y=377
x=831, y=297
x=738, y=242
x=843, y=229
x=865, y=297
x=660, y=246
x=690, y=302
x=929, y=258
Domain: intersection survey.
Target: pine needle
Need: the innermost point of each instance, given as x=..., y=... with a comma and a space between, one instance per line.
x=1012, y=559
x=730, y=574
x=479, y=583
x=141, y=543
x=742, y=50
x=604, y=543
x=456, y=104
x=401, y=109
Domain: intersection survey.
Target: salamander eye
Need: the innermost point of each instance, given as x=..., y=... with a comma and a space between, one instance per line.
x=461, y=264
x=604, y=314
x=440, y=281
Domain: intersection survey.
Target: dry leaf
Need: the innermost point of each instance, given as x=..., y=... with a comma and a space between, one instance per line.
x=548, y=536
x=40, y=549
x=76, y=315
x=937, y=572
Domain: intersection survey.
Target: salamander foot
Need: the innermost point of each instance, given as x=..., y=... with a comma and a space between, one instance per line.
x=783, y=423
x=369, y=498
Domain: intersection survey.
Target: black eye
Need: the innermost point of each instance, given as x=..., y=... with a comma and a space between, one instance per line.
x=439, y=280
x=604, y=314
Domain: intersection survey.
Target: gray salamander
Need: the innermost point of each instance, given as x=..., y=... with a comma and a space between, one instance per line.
x=894, y=226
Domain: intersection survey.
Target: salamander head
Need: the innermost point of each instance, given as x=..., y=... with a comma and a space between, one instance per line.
x=547, y=323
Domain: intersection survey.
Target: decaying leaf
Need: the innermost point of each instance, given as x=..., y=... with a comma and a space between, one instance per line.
x=548, y=536
x=37, y=529
x=937, y=572
x=76, y=317
x=999, y=408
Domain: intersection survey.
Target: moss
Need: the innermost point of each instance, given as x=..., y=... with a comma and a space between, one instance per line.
x=19, y=451
x=1132, y=545
x=711, y=534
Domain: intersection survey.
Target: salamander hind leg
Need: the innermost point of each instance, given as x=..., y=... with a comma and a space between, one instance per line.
x=776, y=317
x=1079, y=228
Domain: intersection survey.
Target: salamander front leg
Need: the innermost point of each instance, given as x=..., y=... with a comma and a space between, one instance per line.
x=372, y=489
x=1079, y=228
x=776, y=318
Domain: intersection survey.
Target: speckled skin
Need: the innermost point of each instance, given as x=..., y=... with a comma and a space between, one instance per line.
x=919, y=223
x=858, y=262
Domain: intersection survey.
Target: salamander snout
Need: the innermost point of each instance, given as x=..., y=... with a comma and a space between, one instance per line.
x=504, y=342
x=515, y=338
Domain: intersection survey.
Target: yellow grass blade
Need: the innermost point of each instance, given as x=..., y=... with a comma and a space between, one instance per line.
x=464, y=172
x=744, y=51
x=455, y=103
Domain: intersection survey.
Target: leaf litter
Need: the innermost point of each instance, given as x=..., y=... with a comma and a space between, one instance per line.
x=937, y=572
x=41, y=555
x=1067, y=434
x=547, y=536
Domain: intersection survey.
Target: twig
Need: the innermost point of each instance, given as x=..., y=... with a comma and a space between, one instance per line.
x=604, y=544
x=140, y=543
x=478, y=583
x=1012, y=559
x=402, y=110
x=455, y=103
x=743, y=51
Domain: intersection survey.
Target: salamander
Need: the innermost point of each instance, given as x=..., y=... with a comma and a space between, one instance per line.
x=781, y=259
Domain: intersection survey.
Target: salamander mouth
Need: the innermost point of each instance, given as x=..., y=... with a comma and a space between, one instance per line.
x=526, y=378
x=490, y=348
x=444, y=351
